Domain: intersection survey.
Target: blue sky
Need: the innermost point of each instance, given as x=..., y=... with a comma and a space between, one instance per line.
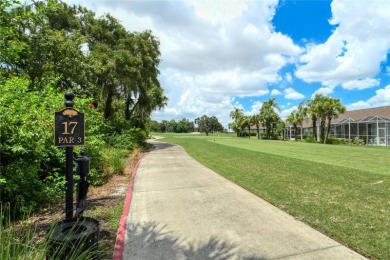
x=217, y=55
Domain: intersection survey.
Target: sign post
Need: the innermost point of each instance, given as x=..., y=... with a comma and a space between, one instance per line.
x=69, y=131
x=73, y=236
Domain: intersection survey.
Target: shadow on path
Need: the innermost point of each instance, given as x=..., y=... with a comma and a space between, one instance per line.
x=151, y=241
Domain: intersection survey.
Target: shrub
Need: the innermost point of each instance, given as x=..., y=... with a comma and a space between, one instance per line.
x=263, y=135
x=355, y=141
x=32, y=168
x=246, y=134
x=309, y=139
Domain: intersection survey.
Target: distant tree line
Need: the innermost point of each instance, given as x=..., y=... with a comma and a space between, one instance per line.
x=202, y=124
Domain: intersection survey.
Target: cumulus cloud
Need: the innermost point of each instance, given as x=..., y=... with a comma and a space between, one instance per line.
x=210, y=50
x=361, y=84
x=286, y=112
x=352, y=55
x=275, y=92
x=382, y=97
x=358, y=105
x=324, y=91
x=290, y=93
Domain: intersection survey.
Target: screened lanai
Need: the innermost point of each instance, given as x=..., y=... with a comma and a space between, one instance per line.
x=374, y=130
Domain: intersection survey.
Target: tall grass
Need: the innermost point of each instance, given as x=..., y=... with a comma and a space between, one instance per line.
x=20, y=240
x=17, y=241
x=115, y=160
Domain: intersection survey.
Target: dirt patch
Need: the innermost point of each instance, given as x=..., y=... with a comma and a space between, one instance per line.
x=100, y=201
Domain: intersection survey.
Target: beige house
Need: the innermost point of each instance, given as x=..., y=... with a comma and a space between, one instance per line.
x=371, y=125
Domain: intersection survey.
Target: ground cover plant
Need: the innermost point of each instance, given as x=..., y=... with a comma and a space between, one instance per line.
x=342, y=191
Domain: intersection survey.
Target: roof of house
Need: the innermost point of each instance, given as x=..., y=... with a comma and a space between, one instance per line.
x=358, y=115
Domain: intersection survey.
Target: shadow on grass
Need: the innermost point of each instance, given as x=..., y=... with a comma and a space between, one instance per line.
x=152, y=241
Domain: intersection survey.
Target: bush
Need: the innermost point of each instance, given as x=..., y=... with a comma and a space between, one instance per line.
x=355, y=141
x=263, y=135
x=246, y=134
x=32, y=168
x=309, y=139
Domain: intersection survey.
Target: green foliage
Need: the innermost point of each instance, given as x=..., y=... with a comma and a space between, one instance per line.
x=263, y=135
x=246, y=134
x=27, y=143
x=208, y=124
x=20, y=240
x=269, y=118
x=115, y=160
x=49, y=48
x=335, y=140
x=309, y=139
x=32, y=168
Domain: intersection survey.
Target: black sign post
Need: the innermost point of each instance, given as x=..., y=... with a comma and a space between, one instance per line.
x=75, y=235
x=69, y=131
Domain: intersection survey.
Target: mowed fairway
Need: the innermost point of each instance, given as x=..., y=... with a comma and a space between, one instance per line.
x=343, y=191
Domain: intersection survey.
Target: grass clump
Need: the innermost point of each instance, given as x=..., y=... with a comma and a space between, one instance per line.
x=16, y=242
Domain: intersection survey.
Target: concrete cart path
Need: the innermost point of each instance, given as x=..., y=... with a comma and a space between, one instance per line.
x=182, y=210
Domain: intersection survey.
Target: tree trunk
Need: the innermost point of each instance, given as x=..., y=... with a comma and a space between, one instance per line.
x=322, y=134
x=127, y=106
x=327, y=131
x=296, y=131
x=108, y=104
x=314, y=121
x=258, y=133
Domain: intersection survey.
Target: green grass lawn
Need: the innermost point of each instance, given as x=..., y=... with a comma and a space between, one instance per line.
x=343, y=191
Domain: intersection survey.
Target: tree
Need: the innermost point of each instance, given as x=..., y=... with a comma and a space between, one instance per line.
x=215, y=125
x=203, y=123
x=268, y=115
x=246, y=123
x=333, y=108
x=311, y=108
x=295, y=119
x=238, y=115
x=255, y=120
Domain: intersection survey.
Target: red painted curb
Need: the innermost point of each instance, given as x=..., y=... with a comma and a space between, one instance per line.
x=120, y=239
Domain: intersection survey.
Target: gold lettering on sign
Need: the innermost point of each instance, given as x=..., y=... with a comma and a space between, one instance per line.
x=79, y=139
x=66, y=140
x=71, y=125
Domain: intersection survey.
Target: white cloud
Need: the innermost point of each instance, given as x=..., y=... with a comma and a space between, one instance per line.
x=358, y=105
x=325, y=91
x=275, y=92
x=256, y=106
x=355, y=49
x=290, y=93
x=361, y=84
x=382, y=97
x=286, y=112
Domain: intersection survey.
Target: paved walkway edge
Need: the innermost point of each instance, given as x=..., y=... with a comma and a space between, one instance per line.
x=120, y=239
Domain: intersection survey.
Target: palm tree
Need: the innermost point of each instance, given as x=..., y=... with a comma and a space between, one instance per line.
x=246, y=122
x=255, y=120
x=311, y=108
x=333, y=109
x=295, y=119
x=268, y=116
x=237, y=114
